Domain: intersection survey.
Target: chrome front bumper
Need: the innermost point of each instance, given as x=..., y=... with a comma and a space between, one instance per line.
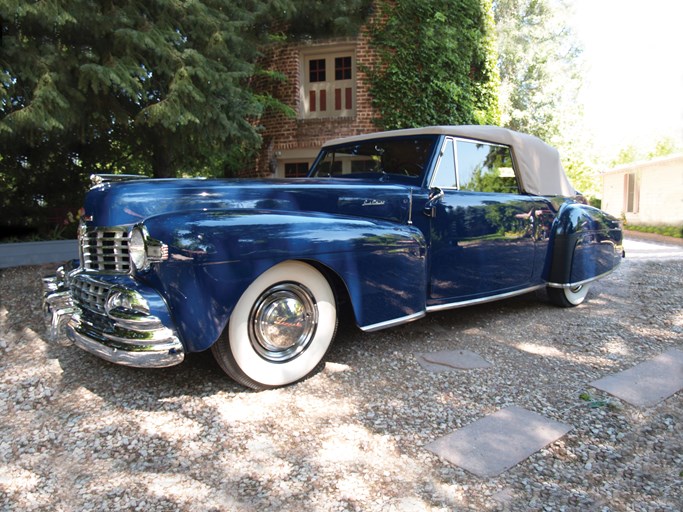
x=118, y=335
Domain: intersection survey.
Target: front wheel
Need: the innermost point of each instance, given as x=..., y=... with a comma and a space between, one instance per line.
x=280, y=328
x=568, y=297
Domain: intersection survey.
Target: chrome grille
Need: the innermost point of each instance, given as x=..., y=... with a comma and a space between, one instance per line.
x=105, y=250
x=89, y=294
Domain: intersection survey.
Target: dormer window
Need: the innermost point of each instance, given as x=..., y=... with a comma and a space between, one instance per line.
x=329, y=85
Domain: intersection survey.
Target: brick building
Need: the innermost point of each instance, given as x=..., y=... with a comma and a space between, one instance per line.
x=327, y=89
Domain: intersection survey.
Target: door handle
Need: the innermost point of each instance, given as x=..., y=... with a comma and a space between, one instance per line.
x=435, y=195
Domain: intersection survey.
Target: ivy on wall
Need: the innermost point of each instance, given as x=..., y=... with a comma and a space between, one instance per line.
x=437, y=63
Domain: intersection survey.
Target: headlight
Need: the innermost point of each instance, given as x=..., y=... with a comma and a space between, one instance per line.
x=144, y=250
x=137, y=249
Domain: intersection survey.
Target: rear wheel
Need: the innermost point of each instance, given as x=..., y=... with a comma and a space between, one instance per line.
x=568, y=297
x=280, y=328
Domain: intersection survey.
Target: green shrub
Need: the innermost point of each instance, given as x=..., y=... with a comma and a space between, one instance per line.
x=673, y=231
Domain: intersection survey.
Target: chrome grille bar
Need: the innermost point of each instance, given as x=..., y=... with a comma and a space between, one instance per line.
x=89, y=294
x=106, y=250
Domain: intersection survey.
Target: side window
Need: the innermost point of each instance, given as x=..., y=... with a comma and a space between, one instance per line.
x=485, y=168
x=329, y=166
x=445, y=174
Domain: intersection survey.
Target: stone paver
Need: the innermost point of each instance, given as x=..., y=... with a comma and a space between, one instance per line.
x=498, y=442
x=647, y=383
x=446, y=360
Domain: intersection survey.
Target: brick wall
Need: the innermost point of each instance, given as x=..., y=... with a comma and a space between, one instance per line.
x=283, y=133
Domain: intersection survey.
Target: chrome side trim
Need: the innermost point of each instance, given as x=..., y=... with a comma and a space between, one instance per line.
x=392, y=323
x=580, y=283
x=483, y=300
x=410, y=208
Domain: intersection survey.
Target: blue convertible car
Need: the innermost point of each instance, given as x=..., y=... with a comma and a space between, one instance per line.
x=394, y=225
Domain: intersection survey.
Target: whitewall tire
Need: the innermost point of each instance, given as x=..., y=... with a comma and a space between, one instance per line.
x=568, y=297
x=280, y=329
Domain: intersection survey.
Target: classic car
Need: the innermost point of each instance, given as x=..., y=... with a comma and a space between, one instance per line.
x=392, y=225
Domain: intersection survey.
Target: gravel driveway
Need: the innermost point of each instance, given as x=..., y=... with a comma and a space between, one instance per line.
x=80, y=434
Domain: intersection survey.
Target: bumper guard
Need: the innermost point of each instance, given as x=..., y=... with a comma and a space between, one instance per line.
x=131, y=338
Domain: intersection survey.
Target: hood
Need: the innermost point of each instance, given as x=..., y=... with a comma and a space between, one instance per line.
x=130, y=202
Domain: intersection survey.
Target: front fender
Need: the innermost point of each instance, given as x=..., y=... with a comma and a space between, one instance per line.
x=585, y=244
x=215, y=255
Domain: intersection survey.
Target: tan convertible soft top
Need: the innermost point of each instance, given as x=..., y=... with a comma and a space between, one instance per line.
x=538, y=164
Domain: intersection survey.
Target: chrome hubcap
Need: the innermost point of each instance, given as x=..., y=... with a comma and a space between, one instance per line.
x=283, y=322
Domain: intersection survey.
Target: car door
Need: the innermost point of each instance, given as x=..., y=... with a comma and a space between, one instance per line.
x=482, y=228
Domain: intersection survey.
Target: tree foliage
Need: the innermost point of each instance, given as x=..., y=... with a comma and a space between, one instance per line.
x=630, y=154
x=162, y=87
x=122, y=85
x=163, y=76
x=145, y=86
x=313, y=19
x=539, y=66
x=437, y=63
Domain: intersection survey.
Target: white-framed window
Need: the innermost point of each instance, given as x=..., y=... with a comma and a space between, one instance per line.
x=294, y=163
x=328, y=83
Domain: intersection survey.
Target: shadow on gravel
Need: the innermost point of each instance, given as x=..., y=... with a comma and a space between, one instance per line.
x=198, y=375
x=87, y=434
x=506, y=323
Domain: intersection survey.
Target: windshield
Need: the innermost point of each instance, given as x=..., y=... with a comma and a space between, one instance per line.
x=396, y=156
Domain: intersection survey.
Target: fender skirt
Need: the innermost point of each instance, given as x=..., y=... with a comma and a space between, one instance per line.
x=586, y=244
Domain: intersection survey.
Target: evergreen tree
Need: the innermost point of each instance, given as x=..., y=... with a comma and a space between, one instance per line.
x=160, y=77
